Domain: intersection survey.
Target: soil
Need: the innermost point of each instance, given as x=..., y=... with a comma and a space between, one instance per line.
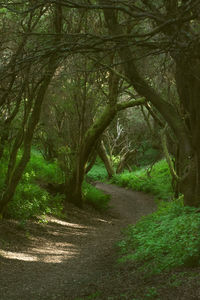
x=75, y=258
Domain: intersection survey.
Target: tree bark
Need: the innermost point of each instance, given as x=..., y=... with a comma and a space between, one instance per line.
x=105, y=159
x=93, y=134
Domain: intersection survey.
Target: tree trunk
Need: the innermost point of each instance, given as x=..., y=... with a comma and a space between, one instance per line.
x=14, y=175
x=105, y=159
x=186, y=127
x=89, y=140
x=73, y=187
x=123, y=161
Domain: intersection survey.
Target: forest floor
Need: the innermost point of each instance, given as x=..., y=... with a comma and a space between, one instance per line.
x=76, y=258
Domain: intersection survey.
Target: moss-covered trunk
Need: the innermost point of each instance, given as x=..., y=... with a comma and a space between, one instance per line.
x=74, y=184
x=106, y=160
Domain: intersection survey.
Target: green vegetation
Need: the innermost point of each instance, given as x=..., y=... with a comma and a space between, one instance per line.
x=43, y=170
x=163, y=240
x=98, y=172
x=31, y=198
x=158, y=182
x=95, y=197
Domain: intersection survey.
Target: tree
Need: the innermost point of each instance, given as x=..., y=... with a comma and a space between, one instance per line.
x=173, y=29
x=31, y=115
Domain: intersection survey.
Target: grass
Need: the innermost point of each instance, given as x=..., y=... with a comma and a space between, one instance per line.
x=158, y=183
x=164, y=240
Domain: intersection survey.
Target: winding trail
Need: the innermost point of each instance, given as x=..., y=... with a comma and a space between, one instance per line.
x=68, y=259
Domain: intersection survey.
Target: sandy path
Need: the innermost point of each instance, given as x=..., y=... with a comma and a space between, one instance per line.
x=67, y=259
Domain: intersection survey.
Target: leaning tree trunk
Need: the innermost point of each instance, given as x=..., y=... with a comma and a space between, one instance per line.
x=14, y=176
x=106, y=160
x=73, y=188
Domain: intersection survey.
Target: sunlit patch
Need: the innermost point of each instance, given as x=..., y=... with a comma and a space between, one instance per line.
x=18, y=256
x=56, y=253
x=64, y=223
x=103, y=221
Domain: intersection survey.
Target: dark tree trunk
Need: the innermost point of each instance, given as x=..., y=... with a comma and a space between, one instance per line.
x=185, y=127
x=15, y=172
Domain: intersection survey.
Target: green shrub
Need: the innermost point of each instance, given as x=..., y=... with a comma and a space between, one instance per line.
x=43, y=170
x=165, y=239
x=158, y=183
x=147, y=157
x=95, y=197
x=30, y=198
x=98, y=172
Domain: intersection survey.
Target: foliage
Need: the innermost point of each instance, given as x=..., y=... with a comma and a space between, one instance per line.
x=98, y=172
x=158, y=182
x=165, y=239
x=30, y=198
x=147, y=156
x=95, y=197
x=42, y=170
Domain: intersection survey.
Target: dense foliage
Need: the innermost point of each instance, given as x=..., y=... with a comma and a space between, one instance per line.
x=156, y=180
x=165, y=239
x=98, y=172
x=95, y=197
x=33, y=196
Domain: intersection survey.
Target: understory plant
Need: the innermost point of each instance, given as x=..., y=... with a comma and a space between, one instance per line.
x=95, y=197
x=155, y=180
x=31, y=198
x=166, y=239
x=98, y=172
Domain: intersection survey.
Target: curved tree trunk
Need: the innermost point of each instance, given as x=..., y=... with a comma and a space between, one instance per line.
x=105, y=159
x=89, y=140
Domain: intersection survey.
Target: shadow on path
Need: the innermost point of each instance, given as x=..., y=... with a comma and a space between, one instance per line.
x=63, y=259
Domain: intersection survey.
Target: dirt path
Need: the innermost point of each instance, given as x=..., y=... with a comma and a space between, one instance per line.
x=68, y=259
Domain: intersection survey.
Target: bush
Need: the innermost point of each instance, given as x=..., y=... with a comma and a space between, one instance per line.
x=165, y=239
x=95, y=197
x=30, y=198
x=98, y=172
x=43, y=170
x=158, y=183
x=147, y=157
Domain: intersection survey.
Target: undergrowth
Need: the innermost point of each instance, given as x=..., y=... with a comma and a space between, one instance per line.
x=95, y=197
x=30, y=198
x=166, y=239
x=158, y=182
x=98, y=172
